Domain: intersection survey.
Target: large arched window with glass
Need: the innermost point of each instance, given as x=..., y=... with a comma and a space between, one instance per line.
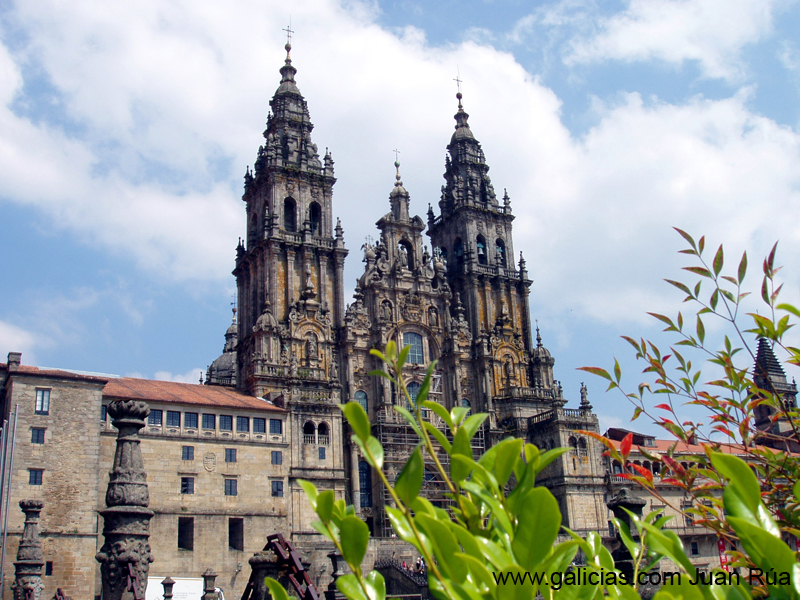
x=466, y=404
x=365, y=483
x=415, y=354
x=290, y=215
x=361, y=398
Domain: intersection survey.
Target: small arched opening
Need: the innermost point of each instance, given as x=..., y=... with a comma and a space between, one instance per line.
x=365, y=483
x=361, y=398
x=315, y=218
x=290, y=215
x=500, y=249
x=323, y=434
x=458, y=249
x=309, y=433
x=481, y=249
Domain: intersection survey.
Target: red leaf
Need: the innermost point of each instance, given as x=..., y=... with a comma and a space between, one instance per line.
x=664, y=407
x=625, y=446
x=644, y=473
x=675, y=466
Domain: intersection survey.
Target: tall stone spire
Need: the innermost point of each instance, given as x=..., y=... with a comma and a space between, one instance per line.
x=125, y=556
x=27, y=584
x=399, y=197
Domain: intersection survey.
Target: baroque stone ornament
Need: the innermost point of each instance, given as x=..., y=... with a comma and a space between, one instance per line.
x=125, y=556
x=27, y=584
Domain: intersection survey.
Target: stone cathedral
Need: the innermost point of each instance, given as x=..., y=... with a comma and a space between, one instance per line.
x=459, y=297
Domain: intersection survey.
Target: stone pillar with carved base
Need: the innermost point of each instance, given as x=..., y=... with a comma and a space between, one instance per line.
x=27, y=584
x=125, y=556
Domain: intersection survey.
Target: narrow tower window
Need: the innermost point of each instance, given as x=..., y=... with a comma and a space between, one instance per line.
x=361, y=398
x=458, y=250
x=481, y=243
x=315, y=217
x=501, y=253
x=290, y=215
x=365, y=483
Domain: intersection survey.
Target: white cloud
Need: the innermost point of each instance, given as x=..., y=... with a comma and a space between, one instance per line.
x=711, y=32
x=192, y=376
x=17, y=339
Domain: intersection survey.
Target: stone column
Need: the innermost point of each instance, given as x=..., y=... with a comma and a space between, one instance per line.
x=623, y=501
x=125, y=556
x=354, y=475
x=27, y=584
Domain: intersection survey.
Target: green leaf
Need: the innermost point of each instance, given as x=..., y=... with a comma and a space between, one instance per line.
x=508, y=453
x=325, y=505
x=439, y=410
x=409, y=482
x=719, y=259
x=742, y=268
x=440, y=437
x=358, y=419
x=596, y=371
x=740, y=475
x=765, y=550
x=401, y=360
x=355, y=537
x=311, y=492
x=349, y=586
x=538, y=522
x=447, y=552
x=376, y=585
x=276, y=590
x=410, y=418
x=701, y=330
x=473, y=422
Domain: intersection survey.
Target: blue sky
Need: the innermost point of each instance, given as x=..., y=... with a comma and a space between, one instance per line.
x=124, y=135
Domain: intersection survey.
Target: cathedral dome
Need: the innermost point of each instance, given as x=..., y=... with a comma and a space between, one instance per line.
x=223, y=370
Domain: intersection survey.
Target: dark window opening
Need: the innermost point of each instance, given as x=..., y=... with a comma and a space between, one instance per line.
x=155, y=417
x=185, y=533
x=290, y=215
x=209, y=421
x=365, y=483
x=243, y=424
x=187, y=453
x=482, y=250
x=35, y=476
x=315, y=217
x=277, y=489
x=695, y=549
x=190, y=420
x=275, y=426
x=501, y=253
x=37, y=435
x=225, y=423
x=231, y=487
x=230, y=455
x=103, y=413
x=187, y=485
x=173, y=418
x=459, y=250
x=48, y=568
x=277, y=457
x=259, y=425
x=236, y=533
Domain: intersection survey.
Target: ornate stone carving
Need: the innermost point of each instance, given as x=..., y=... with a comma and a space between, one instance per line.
x=125, y=556
x=27, y=584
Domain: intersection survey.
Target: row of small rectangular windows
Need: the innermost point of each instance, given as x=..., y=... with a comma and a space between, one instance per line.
x=187, y=453
x=209, y=421
x=186, y=533
x=231, y=487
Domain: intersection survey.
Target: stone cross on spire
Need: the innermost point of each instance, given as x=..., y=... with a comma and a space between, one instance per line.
x=289, y=31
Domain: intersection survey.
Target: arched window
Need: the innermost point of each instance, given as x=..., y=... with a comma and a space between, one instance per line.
x=481, y=250
x=315, y=217
x=501, y=253
x=458, y=249
x=573, y=444
x=413, y=391
x=582, y=449
x=365, y=483
x=309, y=433
x=415, y=355
x=253, y=228
x=468, y=405
x=290, y=215
x=361, y=398
x=323, y=437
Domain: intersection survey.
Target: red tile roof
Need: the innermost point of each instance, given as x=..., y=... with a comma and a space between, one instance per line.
x=59, y=373
x=183, y=393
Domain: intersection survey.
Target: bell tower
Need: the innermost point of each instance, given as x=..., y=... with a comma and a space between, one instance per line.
x=473, y=235
x=289, y=270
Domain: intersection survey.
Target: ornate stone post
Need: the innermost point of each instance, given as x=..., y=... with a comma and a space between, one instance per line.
x=209, y=585
x=125, y=556
x=27, y=584
x=168, y=584
x=619, y=504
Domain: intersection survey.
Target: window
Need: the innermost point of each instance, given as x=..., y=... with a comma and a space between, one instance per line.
x=155, y=417
x=48, y=568
x=415, y=354
x=322, y=452
x=695, y=549
x=190, y=420
x=103, y=413
x=365, y=483
x=209, y=421
x=243, y=424
x=185, y=533
x=37, y=435
x=236, y=533
x=413, y=390
x=187, y=453
x=315, y=216
x=225, y=423
x=611, y=531
x=187, y=485
x=231, y=488
x=277, y=489
x=501, y=253
x=35, y=476
x=481, y=244
x=230, y=455
x=42, y=402
x=277, y=457
x=275, y=426
x=290, y=215
x=466, y=404
x=323, y=434
x=361, y=398
x=259, y=425
x=173, y=418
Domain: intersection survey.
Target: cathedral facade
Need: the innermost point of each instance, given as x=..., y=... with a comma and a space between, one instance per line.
x=449, y=287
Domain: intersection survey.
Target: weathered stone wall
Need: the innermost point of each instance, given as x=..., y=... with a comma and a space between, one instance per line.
x=69, y=459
